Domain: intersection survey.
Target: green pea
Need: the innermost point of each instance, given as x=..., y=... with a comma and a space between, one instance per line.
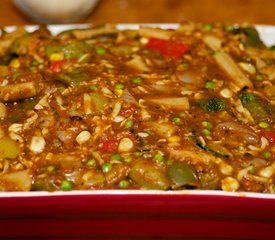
x=266, y=154
x=207, y=27
x=91, y=163
x=207, y=125
x=176, y=120
x=66, y=185
x=116, y=157
x=138, y=154
x=230, y=28
x=51, y=168
x=93, y=87
x=264, y=125
x=100, y=50
x=183, y=114
x=106, y=167
x=206, y=132
x=259, y=77
x=137, y=80
x=129, y=123
x=241, y=148
x=210, y=85
x=119, y=86
x=251, y=169
x=159, y=157
x=128, y=159
x=123, y=184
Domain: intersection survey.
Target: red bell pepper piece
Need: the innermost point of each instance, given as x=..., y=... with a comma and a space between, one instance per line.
x=270, y=136
x=168, y=48
x=56, y=66
x=110, y=144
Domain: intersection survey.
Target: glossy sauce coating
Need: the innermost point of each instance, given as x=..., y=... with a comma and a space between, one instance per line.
x=99, y=108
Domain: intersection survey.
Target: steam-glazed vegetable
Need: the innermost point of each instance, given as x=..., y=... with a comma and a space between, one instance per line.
x=182, y=174
x=8, y=148
x=149, y=176
x=252, y=103
x=213, y=105
x=102, y=108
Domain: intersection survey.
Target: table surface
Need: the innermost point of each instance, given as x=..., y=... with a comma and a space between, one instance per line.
x=159, y=11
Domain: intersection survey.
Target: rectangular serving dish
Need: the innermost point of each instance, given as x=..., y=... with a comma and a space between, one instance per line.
x=139, y=213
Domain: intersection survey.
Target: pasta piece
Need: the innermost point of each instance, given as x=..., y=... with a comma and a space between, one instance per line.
x=225, y=61
x=179, y=103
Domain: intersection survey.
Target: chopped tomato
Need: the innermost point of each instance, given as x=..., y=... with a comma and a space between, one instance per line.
x=109, y=144
x=270, y=136
x=168, y=48
x=56, y=66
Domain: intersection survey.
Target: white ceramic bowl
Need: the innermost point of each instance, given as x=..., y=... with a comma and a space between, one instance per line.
x=56, y=11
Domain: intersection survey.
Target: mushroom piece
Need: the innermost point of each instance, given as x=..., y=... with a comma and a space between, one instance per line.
x=16, y=181
x=18, y=91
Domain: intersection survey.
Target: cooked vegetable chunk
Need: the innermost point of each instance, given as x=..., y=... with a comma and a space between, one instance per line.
x=17, y=91
x=182, y=174
x=147, y=175
x=213, y=105
x=16, y=181
x=8, y=148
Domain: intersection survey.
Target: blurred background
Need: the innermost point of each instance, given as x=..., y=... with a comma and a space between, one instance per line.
x=159, y=11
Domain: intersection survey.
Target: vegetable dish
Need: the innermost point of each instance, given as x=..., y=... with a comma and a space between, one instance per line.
x=151, y=108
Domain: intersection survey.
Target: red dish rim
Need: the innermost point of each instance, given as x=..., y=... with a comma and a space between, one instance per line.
x=138, y=215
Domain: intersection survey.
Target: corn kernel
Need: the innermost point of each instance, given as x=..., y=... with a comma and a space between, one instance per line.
x=230, y=184
x=174, y=139
x=56, y=57
x=225, y=168
x=144, y=40
x=119, y=92
x=15, y=63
